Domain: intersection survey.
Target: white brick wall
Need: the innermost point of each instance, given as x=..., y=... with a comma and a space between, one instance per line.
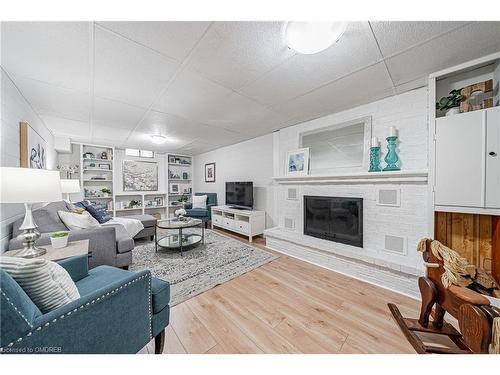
x=408, y=113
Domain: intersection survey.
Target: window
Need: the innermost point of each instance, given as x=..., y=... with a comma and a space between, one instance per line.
x=139, y=153
x=339, y=148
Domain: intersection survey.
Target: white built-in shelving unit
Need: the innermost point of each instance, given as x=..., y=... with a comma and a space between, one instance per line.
x=180, y=173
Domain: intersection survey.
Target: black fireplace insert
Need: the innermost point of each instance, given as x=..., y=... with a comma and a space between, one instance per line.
x=334, y=218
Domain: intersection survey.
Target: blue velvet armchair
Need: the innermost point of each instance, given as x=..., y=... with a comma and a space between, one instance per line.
x=118, y=312
x=201, y=213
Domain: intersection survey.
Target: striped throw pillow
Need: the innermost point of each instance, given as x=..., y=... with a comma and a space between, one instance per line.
x=47, y=283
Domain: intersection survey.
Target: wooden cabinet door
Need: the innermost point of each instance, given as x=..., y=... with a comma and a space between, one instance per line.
x=460, y=160
x=493, y=157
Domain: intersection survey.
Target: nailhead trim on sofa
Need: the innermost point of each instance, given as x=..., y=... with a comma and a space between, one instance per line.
x=15, y=308
x=87, y=304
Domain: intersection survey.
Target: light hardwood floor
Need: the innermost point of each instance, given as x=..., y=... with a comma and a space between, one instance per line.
x=289, y=306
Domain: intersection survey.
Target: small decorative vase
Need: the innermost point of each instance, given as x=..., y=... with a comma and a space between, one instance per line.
x=453, y=111
x=392, y=157
x=374, y=159
x=59, y=242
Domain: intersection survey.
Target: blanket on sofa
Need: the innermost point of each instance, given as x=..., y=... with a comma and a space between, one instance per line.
x=132, y=226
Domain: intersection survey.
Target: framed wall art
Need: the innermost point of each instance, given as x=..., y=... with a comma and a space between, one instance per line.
x=140, y=175
x=210, y=172
x=33, y=148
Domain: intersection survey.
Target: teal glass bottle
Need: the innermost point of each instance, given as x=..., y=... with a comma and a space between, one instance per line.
x=392, y=158
x=374, y=159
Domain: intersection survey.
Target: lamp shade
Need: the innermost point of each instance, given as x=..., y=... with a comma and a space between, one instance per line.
x=70, y=186
x=26, y=185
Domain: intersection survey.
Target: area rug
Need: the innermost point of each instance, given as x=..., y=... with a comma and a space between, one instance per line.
x=200, y=268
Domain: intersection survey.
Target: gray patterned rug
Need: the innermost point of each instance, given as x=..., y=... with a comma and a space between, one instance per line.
x=200, y=268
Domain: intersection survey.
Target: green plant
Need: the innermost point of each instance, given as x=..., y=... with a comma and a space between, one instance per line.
x=59, y=234
x=450, y=101
x=106, y=190
x=183, y=198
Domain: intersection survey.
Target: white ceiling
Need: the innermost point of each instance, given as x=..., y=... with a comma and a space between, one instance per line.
x=210, y=84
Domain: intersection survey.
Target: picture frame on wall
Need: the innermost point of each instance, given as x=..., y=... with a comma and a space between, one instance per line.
x=210, y=172
x=140, y=175
x=297, y=162
x=174, y=188
x=32, y=148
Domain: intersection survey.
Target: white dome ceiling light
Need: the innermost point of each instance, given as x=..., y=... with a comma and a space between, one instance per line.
x=313, y=37
x=158, y=139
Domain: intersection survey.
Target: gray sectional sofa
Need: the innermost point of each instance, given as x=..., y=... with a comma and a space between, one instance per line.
x=109, y=244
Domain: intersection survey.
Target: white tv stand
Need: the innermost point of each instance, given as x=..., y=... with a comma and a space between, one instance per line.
x=247, y=222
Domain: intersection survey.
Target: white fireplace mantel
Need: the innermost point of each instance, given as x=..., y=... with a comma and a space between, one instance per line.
x=404, y=176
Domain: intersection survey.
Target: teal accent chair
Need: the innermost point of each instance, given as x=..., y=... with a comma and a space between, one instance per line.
x=118, y=312
x=200, y=213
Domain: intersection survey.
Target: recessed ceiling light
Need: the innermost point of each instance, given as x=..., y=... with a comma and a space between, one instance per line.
x=158, y=139
x=313, y=37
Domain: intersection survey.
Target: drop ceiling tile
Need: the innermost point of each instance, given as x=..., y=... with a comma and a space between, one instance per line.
x=173, y=39
x=120, y=116
x=70, y=128
x=302, y=73
x=196, y=148
x=128, y=72
x=367, y=85
x=394, y=37
x=467, y=43
x=192, y=96
x=101, y=133
x=234, y=53
x=55, y=101
x=412, y=85
x=52, y=52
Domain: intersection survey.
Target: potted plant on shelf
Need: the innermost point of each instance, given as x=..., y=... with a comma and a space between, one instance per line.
x=105, y=192
x=59, y=239
x=450, y=103
x=183, y=199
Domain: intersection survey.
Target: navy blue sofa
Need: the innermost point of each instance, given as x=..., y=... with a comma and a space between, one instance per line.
x=200, y=213
x=118, y=312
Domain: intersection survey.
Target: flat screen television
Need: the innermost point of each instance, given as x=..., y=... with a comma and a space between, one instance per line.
x=239, y=195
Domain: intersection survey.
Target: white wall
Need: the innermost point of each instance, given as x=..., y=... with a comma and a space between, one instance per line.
x=408, y=113
x=251, y=160
x=14, y=109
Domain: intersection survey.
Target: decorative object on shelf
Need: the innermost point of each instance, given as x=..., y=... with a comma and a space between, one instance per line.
x=140, y=175
x=392, y=158
x=477, y=96
x=159, y=201
x=104, y=155
x=171, y=159
x=297, y=162
x=185, y=175
x=59, y=239
x=174, y=188
x=375, y=156
x=106, y=191
x=68, y=170
x=450, y=103
x=134, y=204
x=32, y=147
x=105, y=166
x=88, y=155
x=210, y=172
x=183, y=199
x=28, y=186
x=92, y=165
x=98, y=178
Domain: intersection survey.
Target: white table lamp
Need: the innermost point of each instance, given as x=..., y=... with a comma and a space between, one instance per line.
x=70, y=186
x=28, y=186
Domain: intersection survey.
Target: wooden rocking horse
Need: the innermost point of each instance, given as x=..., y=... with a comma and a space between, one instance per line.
x=479, y=322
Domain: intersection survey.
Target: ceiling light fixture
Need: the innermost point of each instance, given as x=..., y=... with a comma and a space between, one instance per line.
x=313, y=37
x=158, y=139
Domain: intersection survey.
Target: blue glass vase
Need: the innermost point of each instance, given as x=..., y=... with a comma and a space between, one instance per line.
x=374, y=159
x=392, y=157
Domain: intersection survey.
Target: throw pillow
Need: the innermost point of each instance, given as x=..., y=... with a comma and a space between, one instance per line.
x=98, y=211
x=75, y=220
x=200, y=201
x=47, y=284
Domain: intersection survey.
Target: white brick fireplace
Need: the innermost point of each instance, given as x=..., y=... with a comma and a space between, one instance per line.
x=395, y=204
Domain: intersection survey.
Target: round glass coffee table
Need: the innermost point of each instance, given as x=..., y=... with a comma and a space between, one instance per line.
x=180, y=240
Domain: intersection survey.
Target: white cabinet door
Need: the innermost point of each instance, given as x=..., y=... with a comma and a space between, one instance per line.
x=493, y=158
x=460, y=160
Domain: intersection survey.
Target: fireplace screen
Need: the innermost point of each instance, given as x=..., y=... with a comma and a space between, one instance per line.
x=335, y=219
